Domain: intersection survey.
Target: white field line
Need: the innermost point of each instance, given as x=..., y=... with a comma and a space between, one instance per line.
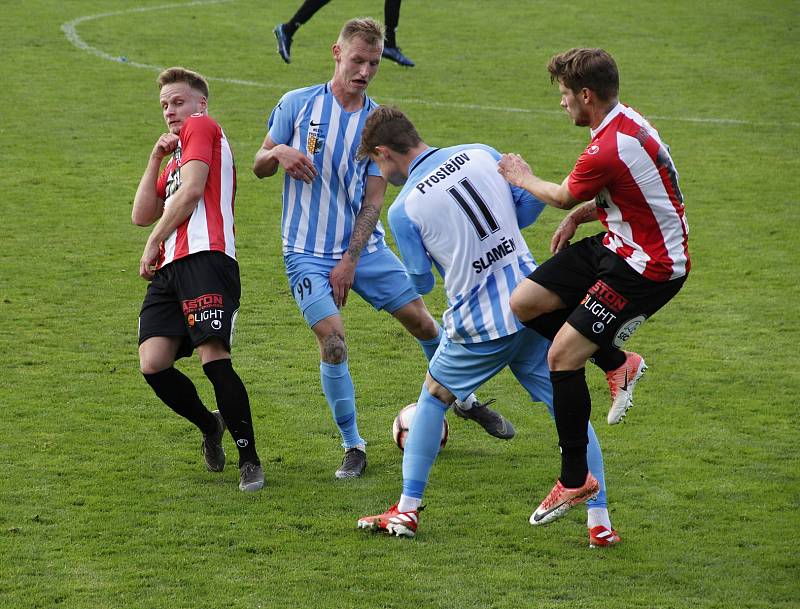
x=70, y=30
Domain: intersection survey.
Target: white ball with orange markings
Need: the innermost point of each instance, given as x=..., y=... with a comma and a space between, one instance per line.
x=402, y=423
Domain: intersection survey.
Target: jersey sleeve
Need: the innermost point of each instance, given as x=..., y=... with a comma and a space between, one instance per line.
x=412, y=251
x=197, y=139
x=280, y=126
x=527, y=206
x=592, y=172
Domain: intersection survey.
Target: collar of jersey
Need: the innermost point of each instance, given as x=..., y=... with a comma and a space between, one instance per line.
x=422, y=156
x=609, y=117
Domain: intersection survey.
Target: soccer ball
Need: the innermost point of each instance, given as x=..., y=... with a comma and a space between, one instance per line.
x=402, y=423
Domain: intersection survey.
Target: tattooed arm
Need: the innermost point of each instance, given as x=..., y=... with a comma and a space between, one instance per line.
x=343, y=273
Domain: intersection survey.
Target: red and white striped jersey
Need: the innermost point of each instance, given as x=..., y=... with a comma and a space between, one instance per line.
x=210, y=227
x=629, y=171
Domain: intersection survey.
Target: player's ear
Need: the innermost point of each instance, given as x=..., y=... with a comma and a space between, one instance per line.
x=203, y=104
x=337, y=50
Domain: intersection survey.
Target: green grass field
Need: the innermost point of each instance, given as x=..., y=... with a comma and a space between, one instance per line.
x=104, y=501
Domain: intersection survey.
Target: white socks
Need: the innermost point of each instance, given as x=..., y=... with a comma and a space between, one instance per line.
x=598, y=517
x=408, y=504
x=468, y=403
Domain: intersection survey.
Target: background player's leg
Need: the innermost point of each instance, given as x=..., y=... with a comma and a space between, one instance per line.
x=391, y=17
x=303, y=14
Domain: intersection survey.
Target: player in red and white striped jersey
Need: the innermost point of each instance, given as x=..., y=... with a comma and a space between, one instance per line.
x=210, y=225
x=592, y=295
x=190, y=261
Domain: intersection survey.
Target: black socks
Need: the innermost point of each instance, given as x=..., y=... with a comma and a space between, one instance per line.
x=178, y=392
x=572, y=406
x=234, y=405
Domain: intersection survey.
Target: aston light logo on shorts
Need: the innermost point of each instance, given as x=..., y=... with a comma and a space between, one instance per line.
x=608, y=296
x=201, y=303
x=242, y=442
x=204, y=308
x=598, y=327
x=215, y=315
x=627, y=329
x=597, y=309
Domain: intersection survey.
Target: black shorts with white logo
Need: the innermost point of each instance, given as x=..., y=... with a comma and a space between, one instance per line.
x=196, y=298
x=609, y=300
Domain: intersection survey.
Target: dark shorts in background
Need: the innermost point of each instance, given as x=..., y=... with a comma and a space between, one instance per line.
x=608, y=299
x=195, y=298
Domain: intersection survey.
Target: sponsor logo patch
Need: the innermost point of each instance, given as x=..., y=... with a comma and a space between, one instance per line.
x=627, y=329
x=608, y=296
x=596, y=308
x=201, y=303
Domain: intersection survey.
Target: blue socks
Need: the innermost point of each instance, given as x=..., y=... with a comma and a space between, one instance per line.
x=429, y=346
x=338, y=388
x=422, y=444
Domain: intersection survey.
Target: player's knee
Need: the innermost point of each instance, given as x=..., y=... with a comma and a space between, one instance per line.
x=333, y=349
x=419, y=322
x=152, y=363
x=147, y=369
x=521, y=306
x=560, y=359
x=426, y=328
x=440, y=392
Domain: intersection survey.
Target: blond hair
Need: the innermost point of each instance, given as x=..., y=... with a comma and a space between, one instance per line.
x=365, y=28
x=178, y=74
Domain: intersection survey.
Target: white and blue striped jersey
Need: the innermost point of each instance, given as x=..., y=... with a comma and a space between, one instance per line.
x=457, y=212
x=318, y=218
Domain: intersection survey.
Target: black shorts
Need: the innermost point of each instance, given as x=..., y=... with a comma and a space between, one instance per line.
x=608, y=299
x=195, y=298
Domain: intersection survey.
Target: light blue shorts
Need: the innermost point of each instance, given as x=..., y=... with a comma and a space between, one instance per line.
x=380, y=279
x=462, y=368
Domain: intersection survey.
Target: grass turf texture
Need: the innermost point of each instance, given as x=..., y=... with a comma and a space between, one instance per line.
x=104, y=501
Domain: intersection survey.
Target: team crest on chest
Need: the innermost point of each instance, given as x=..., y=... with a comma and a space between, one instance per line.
x=315, y=139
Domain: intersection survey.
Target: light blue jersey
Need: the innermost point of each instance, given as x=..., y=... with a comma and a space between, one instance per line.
x=318, y=218
x=457, y=212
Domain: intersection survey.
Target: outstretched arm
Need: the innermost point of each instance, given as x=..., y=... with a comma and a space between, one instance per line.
x=514, y=169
